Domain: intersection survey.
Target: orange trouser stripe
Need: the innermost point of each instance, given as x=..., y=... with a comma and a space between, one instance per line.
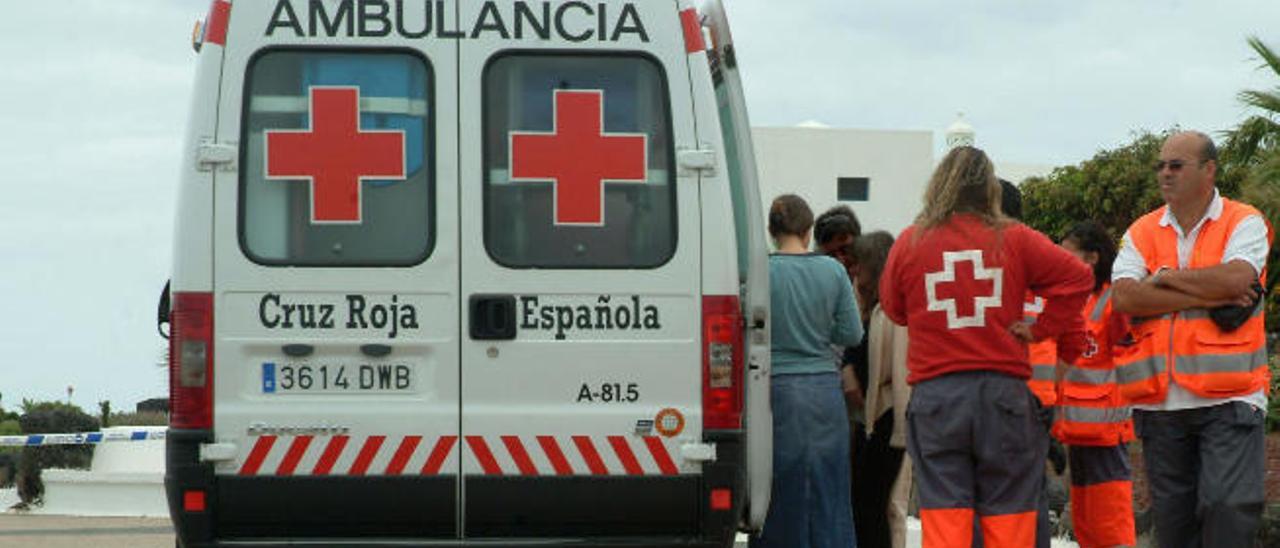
x=1102, y=514
x=947, y=527
x=1009, y=530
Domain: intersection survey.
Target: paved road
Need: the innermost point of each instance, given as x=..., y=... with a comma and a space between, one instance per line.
x=33, y=531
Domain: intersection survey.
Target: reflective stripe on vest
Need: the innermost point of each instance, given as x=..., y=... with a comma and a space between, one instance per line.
x=1042, y=372
x=1092, y=415
x=1097, y=425
x=1094, y=377
x=1203, y=364
x=1101, y=306
x=1140, y=370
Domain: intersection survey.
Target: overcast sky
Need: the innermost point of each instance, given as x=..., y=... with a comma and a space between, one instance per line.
x=95, y=94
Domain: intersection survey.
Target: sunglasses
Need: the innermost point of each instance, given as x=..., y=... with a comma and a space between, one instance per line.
x=1173, y=165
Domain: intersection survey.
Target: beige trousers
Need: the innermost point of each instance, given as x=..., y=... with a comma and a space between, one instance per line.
x=899, y=499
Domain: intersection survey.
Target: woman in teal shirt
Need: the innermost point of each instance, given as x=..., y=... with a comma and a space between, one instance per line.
x=812, y=306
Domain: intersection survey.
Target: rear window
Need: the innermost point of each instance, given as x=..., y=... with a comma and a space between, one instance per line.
x=591, y=184
x=337, y=166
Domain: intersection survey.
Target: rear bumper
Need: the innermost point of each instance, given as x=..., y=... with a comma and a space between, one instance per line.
x=578, y=511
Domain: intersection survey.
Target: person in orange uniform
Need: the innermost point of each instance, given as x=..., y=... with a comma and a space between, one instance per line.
x=956, y=278
x=1091, y=418
x=1190, y=274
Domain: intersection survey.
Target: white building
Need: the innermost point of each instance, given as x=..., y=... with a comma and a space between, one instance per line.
x=880, y=174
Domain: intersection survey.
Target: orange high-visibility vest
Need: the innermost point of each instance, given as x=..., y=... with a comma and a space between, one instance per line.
x=1090, y=409
x=1043, y=356
x=1187, y=346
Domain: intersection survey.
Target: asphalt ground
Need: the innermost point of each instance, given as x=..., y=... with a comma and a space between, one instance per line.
x=38, y=531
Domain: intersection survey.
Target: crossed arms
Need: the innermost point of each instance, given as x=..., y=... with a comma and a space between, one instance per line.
x=1139, y=292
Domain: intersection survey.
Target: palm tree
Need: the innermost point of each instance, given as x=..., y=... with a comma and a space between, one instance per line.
x=1254, y=148
x=1260, y=132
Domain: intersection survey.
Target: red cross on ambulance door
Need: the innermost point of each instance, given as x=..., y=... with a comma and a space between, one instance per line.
x=334, y=155
x=578, y=157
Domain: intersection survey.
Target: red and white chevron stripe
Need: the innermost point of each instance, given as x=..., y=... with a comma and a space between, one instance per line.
x=571, y=455
x=488, y=455
x=347, y=456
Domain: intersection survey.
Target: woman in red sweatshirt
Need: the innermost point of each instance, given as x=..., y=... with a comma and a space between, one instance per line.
x=957, y=279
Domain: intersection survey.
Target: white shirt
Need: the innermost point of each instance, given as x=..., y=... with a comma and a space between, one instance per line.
x=1248, y=242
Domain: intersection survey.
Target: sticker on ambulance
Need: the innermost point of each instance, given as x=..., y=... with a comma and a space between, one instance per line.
x=302, y=378
x=669, y=422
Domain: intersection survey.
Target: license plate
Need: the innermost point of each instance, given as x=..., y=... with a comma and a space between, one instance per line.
x=295, y=378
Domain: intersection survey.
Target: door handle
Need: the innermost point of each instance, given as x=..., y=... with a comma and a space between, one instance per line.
x=493, y=317
x=375, y=350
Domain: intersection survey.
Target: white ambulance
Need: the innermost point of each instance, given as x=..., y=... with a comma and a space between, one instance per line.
x=468, y=273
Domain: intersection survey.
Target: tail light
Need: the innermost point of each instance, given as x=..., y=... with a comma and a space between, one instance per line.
x=191, y=361
x=721, y=362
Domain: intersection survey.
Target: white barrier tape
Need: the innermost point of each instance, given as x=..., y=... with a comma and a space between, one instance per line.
x=80, y=438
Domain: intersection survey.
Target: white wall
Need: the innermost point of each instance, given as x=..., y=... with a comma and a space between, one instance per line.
x=126, y=478
x=808, y=160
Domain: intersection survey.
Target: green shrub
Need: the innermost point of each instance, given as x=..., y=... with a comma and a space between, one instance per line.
x=50, y=418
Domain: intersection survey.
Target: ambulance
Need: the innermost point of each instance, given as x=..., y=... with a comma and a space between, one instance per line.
x=467, y=273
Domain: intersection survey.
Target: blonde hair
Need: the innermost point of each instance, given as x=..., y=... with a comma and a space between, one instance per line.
x=964, y=182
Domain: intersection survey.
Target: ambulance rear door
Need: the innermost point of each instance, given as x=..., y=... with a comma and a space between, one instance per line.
x=336, y=274
x=581, y=346
x=753, y=267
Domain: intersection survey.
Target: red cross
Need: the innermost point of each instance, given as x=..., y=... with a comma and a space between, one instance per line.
x=578, y=157
x=969, y=285
x=335, y=155
x=1091, y=346
x=965, y=289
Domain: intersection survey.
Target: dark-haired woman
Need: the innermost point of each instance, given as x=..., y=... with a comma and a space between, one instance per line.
x=881, y=368
x=812, y=307
x=1092, y=418
x=957, y=279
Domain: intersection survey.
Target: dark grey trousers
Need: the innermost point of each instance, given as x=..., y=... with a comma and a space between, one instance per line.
x=1205, y=467
x=976, y=441
x=1044, y=536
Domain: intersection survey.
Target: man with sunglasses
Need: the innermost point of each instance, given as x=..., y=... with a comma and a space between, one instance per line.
x=1199, y=385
